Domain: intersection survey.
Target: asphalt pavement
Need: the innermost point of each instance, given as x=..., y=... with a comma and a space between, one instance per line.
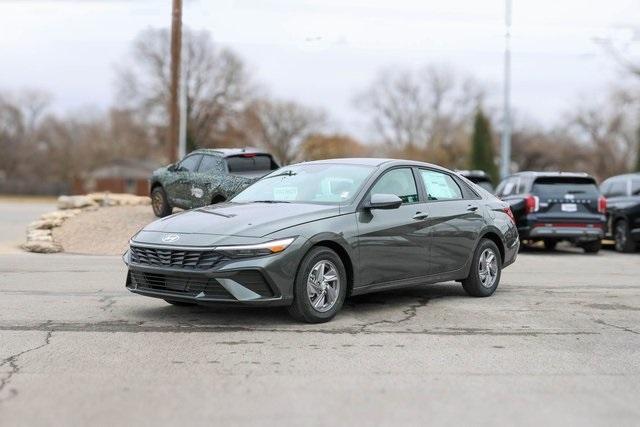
x=558, y=343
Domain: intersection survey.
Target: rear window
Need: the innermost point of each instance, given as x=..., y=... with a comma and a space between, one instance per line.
x=558, y=187
x=486, y=185
x=482, y=182
x=250, y=163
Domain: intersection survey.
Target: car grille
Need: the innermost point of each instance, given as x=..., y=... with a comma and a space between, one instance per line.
x=188, y=259
x=190, y=286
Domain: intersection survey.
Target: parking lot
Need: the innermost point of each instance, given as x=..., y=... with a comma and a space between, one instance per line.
x=559, y=342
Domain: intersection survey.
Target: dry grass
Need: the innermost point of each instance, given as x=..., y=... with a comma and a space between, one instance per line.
x=105, y=231
x=10, y=198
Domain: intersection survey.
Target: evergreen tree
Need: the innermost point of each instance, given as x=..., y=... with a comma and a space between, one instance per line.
x=482, y=147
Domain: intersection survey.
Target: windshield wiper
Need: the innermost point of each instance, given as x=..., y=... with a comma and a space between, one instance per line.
x=270, y=201
x=285, y=173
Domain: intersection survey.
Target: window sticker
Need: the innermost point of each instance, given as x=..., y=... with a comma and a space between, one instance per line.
x=285, y=193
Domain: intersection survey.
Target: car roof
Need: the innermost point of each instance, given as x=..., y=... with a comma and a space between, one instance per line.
x=229, y=152
x=553, y=174
x=625, y=175
x=476, y=173
x=374, y=161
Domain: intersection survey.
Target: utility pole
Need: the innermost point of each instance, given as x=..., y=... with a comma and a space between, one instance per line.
x=505, y=145
x=173, y=133
x=182, y=143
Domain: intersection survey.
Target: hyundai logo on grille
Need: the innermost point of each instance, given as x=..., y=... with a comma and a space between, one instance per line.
x=170, y=238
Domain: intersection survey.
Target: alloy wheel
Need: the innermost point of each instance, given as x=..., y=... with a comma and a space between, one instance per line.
x=488, y=268
x=323, y=286
x=157, y=202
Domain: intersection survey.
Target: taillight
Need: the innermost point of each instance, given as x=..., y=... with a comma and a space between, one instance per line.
x=602, y=204
x=531, y=204
x=509, y=214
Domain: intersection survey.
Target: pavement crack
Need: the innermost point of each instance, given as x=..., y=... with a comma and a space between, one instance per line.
x=409, y=313
x=106, y=302
x=12, y=361
x=622, y=328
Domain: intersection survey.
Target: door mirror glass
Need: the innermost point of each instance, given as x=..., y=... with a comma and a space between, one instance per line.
x=384, y=201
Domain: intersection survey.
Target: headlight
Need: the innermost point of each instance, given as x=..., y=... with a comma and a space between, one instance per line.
x=260, y=249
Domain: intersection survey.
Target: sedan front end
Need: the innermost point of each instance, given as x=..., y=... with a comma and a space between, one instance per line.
x=257, y=273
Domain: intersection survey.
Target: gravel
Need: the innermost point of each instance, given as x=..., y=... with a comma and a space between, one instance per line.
x=104, y=231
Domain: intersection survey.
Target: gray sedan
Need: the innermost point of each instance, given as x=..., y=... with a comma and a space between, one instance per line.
x=309, y=235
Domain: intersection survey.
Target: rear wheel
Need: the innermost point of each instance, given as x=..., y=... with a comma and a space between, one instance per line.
x=592, y=247
x=622, y=236
x=550, y=244
x=320, y=287
x=160, y=203
x=486, y=269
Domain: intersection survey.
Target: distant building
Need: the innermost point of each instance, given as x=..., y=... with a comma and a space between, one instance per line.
x=119, y=176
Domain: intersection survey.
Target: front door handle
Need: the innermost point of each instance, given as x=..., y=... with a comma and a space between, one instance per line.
x=420, y=215
x=472, y=208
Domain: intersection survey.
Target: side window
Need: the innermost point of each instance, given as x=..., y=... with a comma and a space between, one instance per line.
x=190, y=163
x=618, y=188
x=509, y=187
x=635, y=187
x=605, y=188
x=399, y=182
x=211, y=163
x=522, y=186
x=440, y=186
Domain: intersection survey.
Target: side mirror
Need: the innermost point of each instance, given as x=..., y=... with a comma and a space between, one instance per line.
x=172, y=167
x=383, y=201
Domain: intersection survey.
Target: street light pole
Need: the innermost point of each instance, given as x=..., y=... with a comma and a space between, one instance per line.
x=173, y=133
x=505, y=145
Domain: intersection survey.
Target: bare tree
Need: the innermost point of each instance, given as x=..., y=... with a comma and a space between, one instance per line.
x=419, y=109
x=280, y=126
x=609, y=133
x=217, y=84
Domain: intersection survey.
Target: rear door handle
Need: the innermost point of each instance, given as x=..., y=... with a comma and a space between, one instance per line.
x=472, y=208
x=420, y=215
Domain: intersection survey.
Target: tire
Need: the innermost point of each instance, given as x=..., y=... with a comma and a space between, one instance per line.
x=592, y=247
x=622, y=237
x=550, y=244
x=160, y=203
x=180, y=303
x=305, y=295
x=474, y=284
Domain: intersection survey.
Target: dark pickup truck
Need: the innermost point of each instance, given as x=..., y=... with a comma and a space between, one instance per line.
x=555, y=206
x=623, y=210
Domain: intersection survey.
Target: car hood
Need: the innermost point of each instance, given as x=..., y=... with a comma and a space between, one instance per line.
x=241, y=219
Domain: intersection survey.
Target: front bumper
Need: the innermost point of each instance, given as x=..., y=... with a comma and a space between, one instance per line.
x=260, y=281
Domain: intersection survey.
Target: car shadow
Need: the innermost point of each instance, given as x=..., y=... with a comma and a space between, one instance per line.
x=562, y=249
x=193, y=317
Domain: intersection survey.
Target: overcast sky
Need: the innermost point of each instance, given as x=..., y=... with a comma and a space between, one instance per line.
x=322, y=52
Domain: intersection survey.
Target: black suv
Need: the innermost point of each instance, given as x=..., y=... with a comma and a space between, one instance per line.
x=207, y=176
x=478, y=177
x=555, y=206
x=623, y=210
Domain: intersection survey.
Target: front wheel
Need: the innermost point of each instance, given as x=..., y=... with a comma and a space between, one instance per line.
x=320, y=287
x=160, y=203
x=486, y=269
x=622, y=236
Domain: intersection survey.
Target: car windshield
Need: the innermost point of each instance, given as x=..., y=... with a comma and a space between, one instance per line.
x=308, y=183
x=559, y=187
